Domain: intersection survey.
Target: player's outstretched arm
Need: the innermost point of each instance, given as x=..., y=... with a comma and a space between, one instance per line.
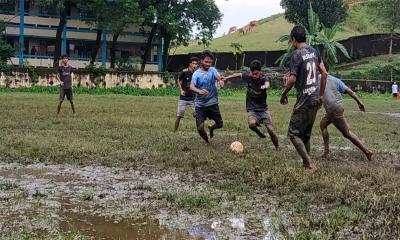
x=355, y=97
x=266, y=85
x=289, y=85
x=234, y=75
x=324, y=77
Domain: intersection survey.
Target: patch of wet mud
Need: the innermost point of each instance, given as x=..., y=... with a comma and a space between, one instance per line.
x=101, y=228
x=118, y=203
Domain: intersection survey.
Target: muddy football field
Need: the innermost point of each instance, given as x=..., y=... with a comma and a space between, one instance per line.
x=116, y=170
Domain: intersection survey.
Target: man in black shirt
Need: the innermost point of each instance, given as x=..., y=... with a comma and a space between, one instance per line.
x=256, y=100
x=305, y=67
x=186, y=98
x=65, y=75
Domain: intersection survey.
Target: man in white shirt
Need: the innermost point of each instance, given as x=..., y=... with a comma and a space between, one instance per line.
x=395, y=90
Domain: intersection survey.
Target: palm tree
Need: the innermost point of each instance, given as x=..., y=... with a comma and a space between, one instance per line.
x=318, y=37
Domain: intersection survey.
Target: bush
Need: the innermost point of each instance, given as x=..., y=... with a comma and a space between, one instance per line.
x=378, y=72
x=244, y=69
x=96, y=74
x=32, y=72
x=130, y=65
x=168, y=78
x=6, y=68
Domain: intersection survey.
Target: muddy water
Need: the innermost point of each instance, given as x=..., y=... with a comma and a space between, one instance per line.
x=101, y=228
x=118, y=203
x=61, y=189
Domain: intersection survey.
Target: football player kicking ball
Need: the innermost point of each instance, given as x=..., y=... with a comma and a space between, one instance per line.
x=204, y=85
x=333, y=104
x=256, y=100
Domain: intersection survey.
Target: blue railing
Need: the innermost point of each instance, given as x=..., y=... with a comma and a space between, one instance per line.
x=70, y=57
x=46, y=15
x=70, y=29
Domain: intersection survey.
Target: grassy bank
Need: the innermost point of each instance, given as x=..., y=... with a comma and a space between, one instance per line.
x=347, y=198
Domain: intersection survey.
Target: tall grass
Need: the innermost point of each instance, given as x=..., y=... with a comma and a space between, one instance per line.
x=168, y=91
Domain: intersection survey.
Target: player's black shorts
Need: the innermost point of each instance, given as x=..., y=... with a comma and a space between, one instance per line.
x=211, y=112
x=302, y=121
x=66, y=92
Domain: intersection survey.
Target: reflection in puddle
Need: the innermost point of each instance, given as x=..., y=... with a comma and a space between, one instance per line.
x=203, y=231
x=99, y=228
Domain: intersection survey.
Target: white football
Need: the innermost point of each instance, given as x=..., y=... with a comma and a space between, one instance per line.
x=237, y=147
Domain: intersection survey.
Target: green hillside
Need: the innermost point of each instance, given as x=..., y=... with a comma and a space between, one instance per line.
x=264, y=36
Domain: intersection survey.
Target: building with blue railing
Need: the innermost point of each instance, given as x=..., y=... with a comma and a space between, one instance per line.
x=34, y=29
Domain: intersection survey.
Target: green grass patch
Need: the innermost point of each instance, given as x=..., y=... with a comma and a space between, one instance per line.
x=188, y=201
x=7, y=186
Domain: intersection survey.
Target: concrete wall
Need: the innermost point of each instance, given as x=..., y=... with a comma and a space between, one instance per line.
x=78, y=64
x=85, y=79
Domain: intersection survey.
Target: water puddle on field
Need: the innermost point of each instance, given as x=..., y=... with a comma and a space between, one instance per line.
x=100, y=228
x=110, y=203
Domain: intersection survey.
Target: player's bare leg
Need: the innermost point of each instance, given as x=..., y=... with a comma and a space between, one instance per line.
x=177, y=121
x=274, y=137
x=214, y=127
x=301, y=149
x=59, y=107
x=72, y=106
x=325, y=135
x=254, y=128
x=308, y=147
x=343, y=127
x=202, y=132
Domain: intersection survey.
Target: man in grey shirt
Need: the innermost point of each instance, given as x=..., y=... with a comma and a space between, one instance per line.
x=333, y=104
x=65, y=75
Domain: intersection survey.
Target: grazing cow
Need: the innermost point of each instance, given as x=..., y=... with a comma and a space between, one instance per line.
x=232, y=30
x=251, y=26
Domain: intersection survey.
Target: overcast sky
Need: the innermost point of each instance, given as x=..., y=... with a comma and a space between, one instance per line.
x=240, y=12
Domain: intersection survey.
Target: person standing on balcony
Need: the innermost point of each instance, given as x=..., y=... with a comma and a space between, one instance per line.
x=33, y=50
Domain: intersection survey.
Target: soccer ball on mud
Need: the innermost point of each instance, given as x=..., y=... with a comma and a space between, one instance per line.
x=237, y=147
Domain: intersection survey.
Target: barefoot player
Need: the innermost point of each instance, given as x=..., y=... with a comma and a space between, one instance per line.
x=333, y=104
x=305, y=67
x=256, y=100
x=204, y=84
x=65, y=77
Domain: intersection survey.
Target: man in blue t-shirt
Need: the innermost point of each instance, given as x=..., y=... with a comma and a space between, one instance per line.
x=204, y=85
x=333, y=104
